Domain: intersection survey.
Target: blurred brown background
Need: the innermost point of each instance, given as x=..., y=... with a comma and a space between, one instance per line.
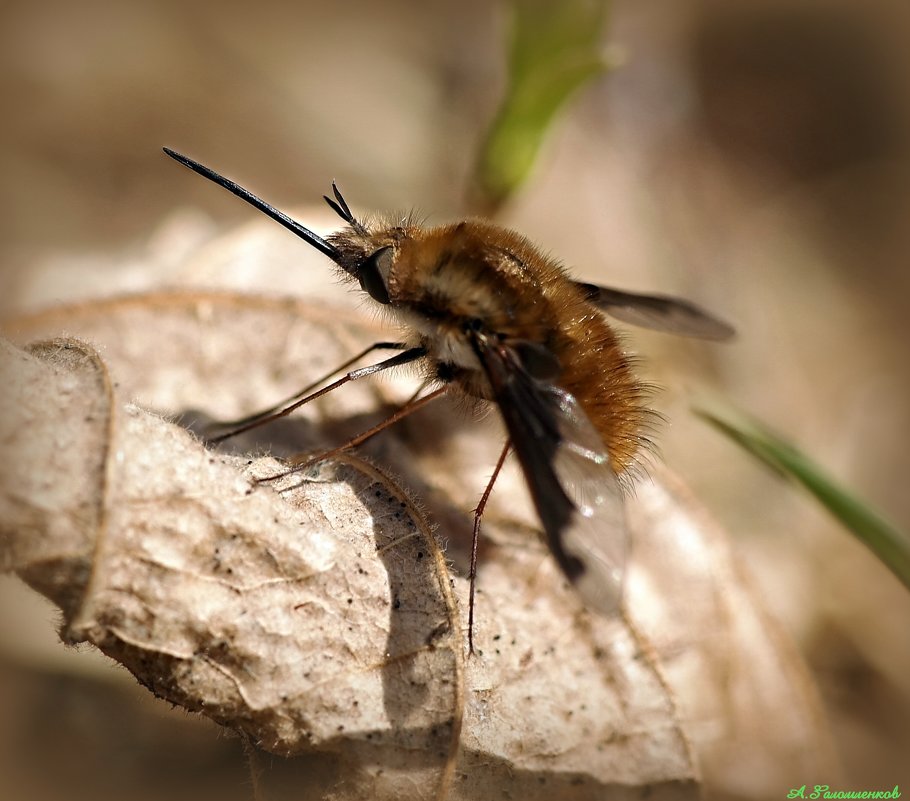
x=752, y=156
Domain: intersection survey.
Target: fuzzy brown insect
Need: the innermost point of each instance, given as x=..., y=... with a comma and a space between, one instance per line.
x=487, y=315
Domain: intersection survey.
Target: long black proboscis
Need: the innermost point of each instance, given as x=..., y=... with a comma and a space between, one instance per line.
x=244, y=194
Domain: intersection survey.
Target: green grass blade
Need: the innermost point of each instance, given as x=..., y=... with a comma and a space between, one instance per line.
x=555, y=48
x=887, y=542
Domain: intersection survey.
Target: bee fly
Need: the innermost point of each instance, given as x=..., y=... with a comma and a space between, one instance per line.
x=487, y=315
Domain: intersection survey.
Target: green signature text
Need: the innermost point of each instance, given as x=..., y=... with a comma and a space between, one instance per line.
x=825, y=791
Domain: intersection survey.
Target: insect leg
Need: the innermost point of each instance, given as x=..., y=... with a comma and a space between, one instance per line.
x=405, y=357
x=478, y=513
x=263, y=416
x=310, y=387
x=409, y=408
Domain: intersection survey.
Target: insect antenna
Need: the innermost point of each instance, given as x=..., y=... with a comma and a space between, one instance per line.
x=340, y=207
x=244, y=194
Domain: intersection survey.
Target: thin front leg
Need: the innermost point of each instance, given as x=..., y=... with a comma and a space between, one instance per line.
x=409, y=408
x=263, y=414
x=405, y=357
x=478, y=513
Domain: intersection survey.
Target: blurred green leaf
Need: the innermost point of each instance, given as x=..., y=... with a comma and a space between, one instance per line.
x=887, y=542
x=554, y=49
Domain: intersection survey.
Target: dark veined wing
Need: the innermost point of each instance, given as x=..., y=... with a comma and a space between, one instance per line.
x=658, y=312
x=568, y=472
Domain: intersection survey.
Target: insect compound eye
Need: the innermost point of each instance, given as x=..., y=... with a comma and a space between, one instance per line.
x=374, y=274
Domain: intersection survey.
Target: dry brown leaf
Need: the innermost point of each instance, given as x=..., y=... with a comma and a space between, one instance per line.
x=282, y=620
x=559, y=704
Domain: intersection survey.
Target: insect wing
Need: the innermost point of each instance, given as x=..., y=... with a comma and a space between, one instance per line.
x=657, y=312
x=568, y=472
x=596, y=536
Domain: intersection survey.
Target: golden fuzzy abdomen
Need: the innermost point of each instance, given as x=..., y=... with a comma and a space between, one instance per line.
x=600, y=377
